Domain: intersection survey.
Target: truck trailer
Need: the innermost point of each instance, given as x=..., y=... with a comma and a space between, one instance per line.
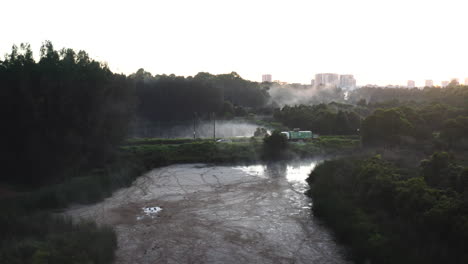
x=298, y=135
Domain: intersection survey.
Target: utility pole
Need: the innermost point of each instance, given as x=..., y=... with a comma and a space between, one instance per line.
x=214, y=126
x=194, y=117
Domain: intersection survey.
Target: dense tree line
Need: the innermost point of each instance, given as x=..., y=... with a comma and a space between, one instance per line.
x=389, y=214
x=419, y=123
x=170, y=97
x=163, y=97
x=453, y=95
x=237, y=90
x=454, y=132
x=322, y=118
x=60, y=114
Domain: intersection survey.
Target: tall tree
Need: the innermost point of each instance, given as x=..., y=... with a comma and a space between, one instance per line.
x=61, y=114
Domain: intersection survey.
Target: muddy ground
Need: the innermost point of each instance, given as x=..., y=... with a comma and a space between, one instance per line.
x=216, y=214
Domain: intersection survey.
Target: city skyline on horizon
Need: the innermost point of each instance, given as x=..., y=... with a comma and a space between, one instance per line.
x=427, y=82
x=251, y=77
x=292, y=42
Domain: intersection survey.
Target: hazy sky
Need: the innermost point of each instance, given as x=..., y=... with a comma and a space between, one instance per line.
x=381, y=42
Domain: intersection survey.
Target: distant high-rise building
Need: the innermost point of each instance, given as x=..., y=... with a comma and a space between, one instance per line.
x=266, y=78
x=347, y=81
x=444, y=83
x=466, y=81
x=429, y=83
x=327, y=79
x=411, y=84
x=312, y=82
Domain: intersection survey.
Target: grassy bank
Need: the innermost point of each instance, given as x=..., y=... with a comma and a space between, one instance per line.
x=235, y=150
x=327, y=145
x=197, y=151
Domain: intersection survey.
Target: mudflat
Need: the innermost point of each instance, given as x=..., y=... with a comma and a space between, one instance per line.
x=197, y=213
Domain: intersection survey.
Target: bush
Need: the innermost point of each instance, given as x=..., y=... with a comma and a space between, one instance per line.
x=388, y=214
x=275, y=145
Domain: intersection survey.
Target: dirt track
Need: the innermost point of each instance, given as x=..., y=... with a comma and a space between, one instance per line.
x=216, y=214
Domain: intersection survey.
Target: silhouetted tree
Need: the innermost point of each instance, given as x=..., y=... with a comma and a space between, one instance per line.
x=164, y=98
x=61, y=114
x=275, y=145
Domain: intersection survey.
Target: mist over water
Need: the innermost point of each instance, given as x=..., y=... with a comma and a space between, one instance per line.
x=203, y=129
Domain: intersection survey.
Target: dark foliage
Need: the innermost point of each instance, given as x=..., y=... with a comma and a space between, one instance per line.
x=392, y=215
x=275, y=145
x=43, y=238
x=406, y=125
x=322, y=118
x=454, y=132
x=454, y=95
x=61, y=114
x=163, y=97
x=236, y=90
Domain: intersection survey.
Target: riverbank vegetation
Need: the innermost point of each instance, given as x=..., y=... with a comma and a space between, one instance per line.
x=408, y=203
x=254, y=149
x=34, y=231
x=387, y=213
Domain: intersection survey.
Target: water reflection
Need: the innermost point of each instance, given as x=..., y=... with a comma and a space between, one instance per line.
x=253, y=170
x=295, y=172
x=298, y=172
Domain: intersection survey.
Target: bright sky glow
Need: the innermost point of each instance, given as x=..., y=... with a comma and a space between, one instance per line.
x=380, y=42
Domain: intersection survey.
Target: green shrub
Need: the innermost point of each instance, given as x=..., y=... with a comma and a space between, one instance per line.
x=387, y=214
x=275, y=145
